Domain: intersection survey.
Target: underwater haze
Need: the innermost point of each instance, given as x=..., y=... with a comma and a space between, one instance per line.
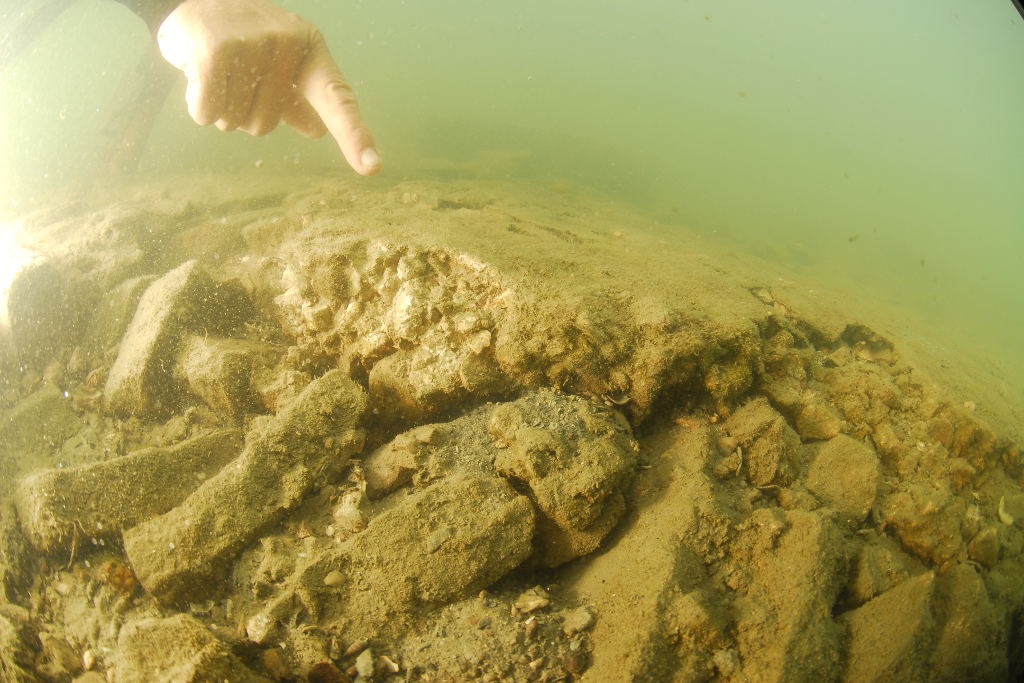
x=875, y=146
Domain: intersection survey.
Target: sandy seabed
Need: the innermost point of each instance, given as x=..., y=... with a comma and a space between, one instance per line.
x=310, y=429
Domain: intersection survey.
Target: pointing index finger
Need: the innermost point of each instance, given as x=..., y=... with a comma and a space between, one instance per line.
x=322, y=84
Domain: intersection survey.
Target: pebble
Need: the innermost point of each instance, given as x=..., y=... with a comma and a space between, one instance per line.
x=576, y=661
x=325, y=672
x=364, y=663
x=334, y=578
x=577, y=620
x=532, y=599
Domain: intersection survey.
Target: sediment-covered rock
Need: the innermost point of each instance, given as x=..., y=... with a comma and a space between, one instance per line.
x=111, y=318
x=574, y=459
x=970, y=644
x=99, y=499
x=844, y=474
x=46, y=308
x=449, y=540
x=176, y=648
x=32, y=429
x=220, y=371
x=15, y=558
x=787, y=575
x=185, y=299
x=776, y=489
x=891, y=636
x=572, y=456
x=771, y=449
x=176, y=554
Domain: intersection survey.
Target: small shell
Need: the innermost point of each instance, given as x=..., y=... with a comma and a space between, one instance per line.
x=727, y=444
x=356, y=647
x=1004, y=516
x=389, y=664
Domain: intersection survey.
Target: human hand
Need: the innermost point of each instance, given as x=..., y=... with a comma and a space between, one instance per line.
x=250, y=64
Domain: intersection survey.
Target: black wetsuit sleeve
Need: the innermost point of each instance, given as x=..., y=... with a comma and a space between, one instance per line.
x=153, y=12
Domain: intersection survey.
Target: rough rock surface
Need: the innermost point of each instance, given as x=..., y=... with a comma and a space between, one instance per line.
x=885, y=649
x=177, y=553
x=102, y=498
x=490, y=434
x=176, y=648
x=185, y=299
x=46, y=309
x=221, y=372
x=451, y=539
x=844, y=474
x=32, y=429
x=572, y=456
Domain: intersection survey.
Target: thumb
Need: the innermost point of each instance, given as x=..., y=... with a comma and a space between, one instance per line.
x=322, y=84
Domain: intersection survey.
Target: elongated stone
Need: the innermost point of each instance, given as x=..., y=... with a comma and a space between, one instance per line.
x=97, y=500
x=177, y=554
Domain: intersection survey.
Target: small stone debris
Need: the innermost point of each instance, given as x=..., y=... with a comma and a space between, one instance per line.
x=577, y=620
x=532, y=599
x=364, y=663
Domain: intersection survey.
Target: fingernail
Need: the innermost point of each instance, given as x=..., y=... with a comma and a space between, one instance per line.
x=369, y=158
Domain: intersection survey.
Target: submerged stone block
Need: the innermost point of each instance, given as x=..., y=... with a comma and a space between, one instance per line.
x=101, y=498
x=33, y=428
x=177, y=648
x=185, y=299
x=891, y=636
x=573, y=458
x=451, y=539
x=175, y=555
x=844, y=474
x=771, y=449
x=220, y=371
x=46, y=309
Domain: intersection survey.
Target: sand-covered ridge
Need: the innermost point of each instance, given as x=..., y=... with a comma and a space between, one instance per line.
x=317, y=429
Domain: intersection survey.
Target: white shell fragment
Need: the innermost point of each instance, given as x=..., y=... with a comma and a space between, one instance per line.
x=1004, y=516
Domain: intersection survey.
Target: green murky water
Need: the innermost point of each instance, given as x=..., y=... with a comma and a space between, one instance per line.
x=872, y=145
